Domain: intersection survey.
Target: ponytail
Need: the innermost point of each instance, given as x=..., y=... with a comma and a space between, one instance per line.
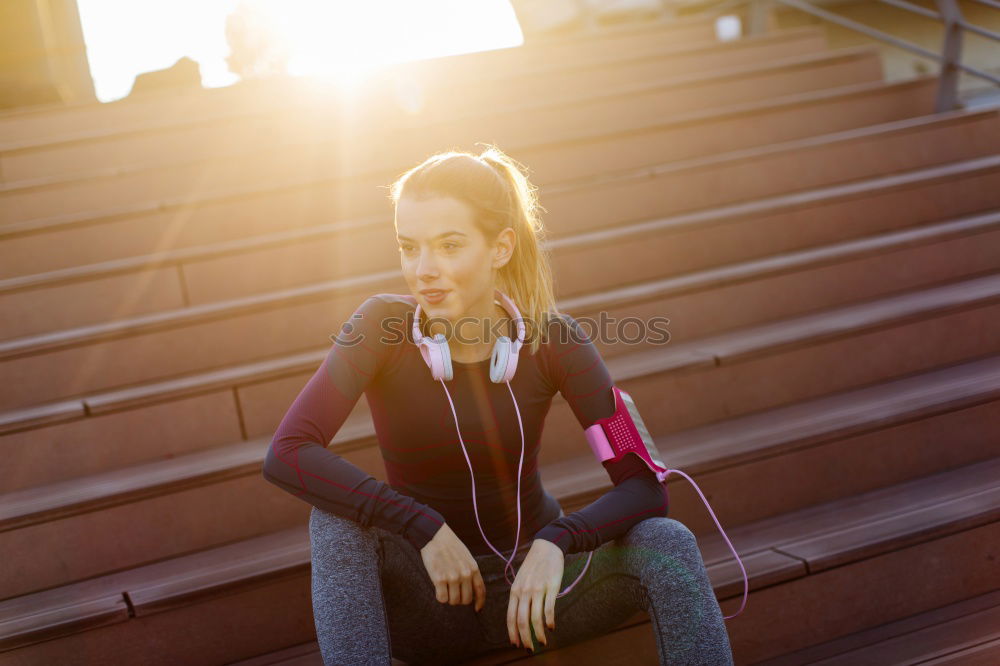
x=527, y=277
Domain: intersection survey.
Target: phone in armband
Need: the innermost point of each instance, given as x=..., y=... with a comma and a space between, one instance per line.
x=625, y=432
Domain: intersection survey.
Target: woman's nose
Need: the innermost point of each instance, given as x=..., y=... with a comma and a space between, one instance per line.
x=426, y=267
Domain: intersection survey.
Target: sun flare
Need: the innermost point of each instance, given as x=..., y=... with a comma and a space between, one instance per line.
x=336, y=41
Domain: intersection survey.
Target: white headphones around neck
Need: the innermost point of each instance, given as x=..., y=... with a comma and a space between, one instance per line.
x=503, y=358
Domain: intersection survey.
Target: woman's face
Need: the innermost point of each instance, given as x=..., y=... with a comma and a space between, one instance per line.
x=440, y=247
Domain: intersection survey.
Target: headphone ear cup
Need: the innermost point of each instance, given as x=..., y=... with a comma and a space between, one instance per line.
x=437, y=356
x=500, y=360
x=444, y=354
x=512, y=360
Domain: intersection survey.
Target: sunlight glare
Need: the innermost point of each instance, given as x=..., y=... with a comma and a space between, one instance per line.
x=341, y=42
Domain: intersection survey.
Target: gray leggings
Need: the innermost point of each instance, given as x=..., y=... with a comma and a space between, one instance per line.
x=373, y=599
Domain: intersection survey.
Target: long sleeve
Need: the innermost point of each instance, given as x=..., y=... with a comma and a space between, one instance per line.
x=298, y=460
x=584, y=381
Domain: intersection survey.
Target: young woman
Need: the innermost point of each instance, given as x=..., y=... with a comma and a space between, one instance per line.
x=440, y=564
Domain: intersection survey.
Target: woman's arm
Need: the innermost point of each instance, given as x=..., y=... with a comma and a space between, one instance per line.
x=579, y=373
x=298, y=462
x=636, y=495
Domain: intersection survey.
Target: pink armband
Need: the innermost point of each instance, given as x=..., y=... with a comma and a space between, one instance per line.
x=624, y=432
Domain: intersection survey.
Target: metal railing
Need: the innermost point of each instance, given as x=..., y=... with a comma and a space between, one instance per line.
x=759, y=12
x=950, y=57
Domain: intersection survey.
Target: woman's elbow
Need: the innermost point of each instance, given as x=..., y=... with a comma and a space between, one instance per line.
x=268, y=468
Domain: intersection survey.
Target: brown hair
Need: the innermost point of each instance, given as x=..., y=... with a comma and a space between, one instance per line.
x=496, y=187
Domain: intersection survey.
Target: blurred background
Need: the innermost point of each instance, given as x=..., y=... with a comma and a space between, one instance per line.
x=68, y=51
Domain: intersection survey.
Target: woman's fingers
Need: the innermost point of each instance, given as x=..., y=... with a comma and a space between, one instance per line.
x=441, y=592
x=466, y=590
x=523, y=619
x=528, y=612
x=523, y=613
x=512, y=631
x=550, y=608
x=536, y=617
x=453, y=570
x=454, y=591
x=528, y=608
x=480, y=589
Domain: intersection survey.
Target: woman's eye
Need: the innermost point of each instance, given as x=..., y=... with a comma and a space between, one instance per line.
x=410, y=248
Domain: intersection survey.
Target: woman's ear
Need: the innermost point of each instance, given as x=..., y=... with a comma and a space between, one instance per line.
x=503, y=248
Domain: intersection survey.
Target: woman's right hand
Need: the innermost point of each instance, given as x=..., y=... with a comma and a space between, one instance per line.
x=453, y=570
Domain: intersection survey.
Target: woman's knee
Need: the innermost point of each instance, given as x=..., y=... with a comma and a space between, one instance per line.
x=661, y=532
x=331, y=534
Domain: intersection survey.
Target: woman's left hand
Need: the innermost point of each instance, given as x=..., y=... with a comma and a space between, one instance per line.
x=535, y=587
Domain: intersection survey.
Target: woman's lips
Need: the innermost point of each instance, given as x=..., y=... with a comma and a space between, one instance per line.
x=435, y=297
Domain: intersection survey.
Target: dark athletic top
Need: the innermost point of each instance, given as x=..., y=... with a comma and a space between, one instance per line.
x=428, y=480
